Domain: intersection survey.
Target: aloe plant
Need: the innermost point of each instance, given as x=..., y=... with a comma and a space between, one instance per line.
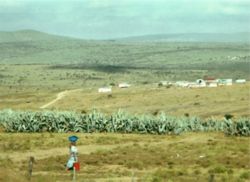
x=121, y=122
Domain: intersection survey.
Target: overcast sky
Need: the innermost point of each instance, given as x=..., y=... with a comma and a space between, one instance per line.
x=101, y=19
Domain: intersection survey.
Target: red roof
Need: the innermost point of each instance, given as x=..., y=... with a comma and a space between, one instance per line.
x=209, y=78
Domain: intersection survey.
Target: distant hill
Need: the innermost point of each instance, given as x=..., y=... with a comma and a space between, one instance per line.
x=33, y=35
x=27, y=35
x=191, y=37
x=174, y=52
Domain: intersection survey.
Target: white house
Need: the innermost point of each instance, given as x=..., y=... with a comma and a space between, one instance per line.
x=182, y=83
x=124, y=85
x=211, y=82
x=200, y=83
x=105, y=90
x=240, y=81
x=226, y=82
x=193, y=85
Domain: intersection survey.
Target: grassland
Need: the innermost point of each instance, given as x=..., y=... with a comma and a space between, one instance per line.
x=35, y=68
x=121, y=157
x=29, y=87
x=150, y=99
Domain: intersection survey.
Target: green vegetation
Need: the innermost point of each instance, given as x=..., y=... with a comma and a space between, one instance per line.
x=117, y=123
x=171, y=60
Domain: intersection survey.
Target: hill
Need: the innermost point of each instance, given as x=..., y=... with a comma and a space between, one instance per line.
x=27, y=35
x=193, y=37
x=171, y=60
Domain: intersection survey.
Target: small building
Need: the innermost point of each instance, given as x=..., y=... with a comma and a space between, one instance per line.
x=193, y=85
x=226, y=82
x=201, y=83
x=165, y=83
x=198, y=84
x=182, y=83
x=105, y=90
x=124, y=85
x=211, y=82
x=240, y=81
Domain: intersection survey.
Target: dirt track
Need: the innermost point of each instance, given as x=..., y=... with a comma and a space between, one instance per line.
x=42, y=154
x=87, y=149
x=59, y=96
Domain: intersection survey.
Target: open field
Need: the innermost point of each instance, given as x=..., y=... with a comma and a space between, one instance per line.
x=36, y=67
x=149, y=99
x=121, y=157
x=44, y=72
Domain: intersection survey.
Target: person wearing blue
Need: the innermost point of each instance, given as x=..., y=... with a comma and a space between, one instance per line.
x=73, y=153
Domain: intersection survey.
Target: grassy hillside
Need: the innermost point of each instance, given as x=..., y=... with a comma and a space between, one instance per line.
x=193, y=37
x=170, y=60
x=32, y=47
x=26, y=35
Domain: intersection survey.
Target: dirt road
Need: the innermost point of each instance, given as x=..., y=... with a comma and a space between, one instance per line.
x=59, y=96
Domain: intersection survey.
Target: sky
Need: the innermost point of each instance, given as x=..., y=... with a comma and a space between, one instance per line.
x=107, y=19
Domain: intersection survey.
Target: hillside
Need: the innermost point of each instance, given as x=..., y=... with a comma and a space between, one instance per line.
x=172, y=60
x=27, y=35
x=193, y=37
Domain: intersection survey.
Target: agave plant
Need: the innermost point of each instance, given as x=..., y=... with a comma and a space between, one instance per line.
x=50, y=121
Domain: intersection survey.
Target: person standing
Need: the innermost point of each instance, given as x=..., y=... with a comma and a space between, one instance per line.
x=72, y=153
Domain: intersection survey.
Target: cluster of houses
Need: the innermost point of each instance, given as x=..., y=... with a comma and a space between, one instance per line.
x=200, y=83
x=236, y=57
x=207, y=82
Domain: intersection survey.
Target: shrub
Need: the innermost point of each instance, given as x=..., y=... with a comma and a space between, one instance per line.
x=228, y=116
x=245, y=175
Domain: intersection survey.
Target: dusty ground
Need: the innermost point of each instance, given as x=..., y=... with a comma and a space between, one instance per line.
x=123, y=157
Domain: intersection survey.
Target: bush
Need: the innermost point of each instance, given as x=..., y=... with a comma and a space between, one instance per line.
x=245, y=175
x=228, y=116
x=218, y=169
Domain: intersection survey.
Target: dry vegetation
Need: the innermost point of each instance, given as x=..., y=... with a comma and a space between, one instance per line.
x=28, y=81
x=151, y=99
x=121, y=157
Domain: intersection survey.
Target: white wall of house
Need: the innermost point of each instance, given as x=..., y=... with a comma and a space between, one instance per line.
x=182, y=83
x=124, y=85
x=240, y=81
x=212, y=84
x=105, y=90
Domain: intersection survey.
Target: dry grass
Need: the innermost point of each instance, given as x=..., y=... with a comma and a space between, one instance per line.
x=205, y=102
x=28, y=87
x=121, y=157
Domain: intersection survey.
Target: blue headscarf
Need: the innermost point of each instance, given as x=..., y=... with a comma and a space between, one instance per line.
x=73, y=138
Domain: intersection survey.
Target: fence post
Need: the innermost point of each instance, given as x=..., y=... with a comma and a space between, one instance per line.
x=30, y=167
x=74, y=174
x=133, y=176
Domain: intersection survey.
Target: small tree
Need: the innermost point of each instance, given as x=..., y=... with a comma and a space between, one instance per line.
x=228, y=116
